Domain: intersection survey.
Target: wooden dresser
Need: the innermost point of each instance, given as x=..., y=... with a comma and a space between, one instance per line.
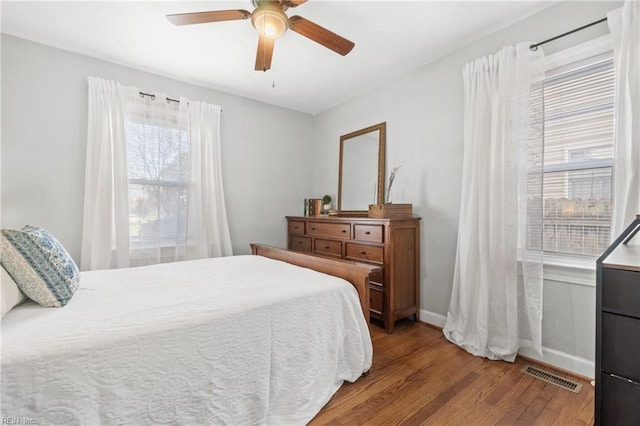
x=393, y=244
x=617, y=400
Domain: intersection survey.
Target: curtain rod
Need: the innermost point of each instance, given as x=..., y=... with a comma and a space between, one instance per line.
x=153, y=97
x=535, y=46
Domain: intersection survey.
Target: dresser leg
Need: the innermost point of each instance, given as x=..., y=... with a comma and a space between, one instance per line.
x=388, y=326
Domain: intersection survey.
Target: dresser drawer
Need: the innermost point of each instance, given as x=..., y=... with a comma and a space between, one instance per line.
x=296, y=227
x=376, y=298
x=377, y=277
x=364, y=252
x=299, y=243
x=620, y=344
x=371, y=233
x=333, y=230
x=621, y=291
x=330, y=247
x=620, y=401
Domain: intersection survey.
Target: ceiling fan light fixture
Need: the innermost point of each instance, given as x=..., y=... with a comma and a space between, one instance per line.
x=270, y=21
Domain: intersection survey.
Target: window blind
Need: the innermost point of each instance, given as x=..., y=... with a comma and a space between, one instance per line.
x=157, y=165
x=577, y=160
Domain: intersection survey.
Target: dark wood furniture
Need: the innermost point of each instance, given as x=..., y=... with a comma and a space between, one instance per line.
x=617, y=399
x=392, y=244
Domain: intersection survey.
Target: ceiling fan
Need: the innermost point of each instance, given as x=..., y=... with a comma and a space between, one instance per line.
x=270, y=20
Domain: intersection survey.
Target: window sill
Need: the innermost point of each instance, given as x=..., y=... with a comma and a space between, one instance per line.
x=568, y=270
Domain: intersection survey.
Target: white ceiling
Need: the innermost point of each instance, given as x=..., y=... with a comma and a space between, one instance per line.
x=391, y=39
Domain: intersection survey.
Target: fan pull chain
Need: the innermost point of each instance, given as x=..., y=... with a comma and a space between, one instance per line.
x=264, y=41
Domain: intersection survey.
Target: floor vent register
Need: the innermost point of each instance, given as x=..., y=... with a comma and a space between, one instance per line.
x=554, y=379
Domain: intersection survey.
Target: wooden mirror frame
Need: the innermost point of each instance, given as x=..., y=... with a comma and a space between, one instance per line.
x=382, y=129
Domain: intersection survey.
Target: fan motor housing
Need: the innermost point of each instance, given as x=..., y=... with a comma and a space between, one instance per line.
x=270, y=20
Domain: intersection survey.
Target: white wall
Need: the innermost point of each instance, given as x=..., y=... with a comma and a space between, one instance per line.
x=267, y=151
x=424, y=113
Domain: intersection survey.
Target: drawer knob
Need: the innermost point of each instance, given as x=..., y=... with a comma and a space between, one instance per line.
x=295, y=227
x=344, y=231
x=299, y=242
x=326, y=247
x=367, y=233
x=363, y=253
x=313, y=229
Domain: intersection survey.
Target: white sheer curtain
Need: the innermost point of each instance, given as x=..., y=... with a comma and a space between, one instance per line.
x=153, y=190
x=496, y=308
x=105, y=229
x=624, y=24
x=208, y=229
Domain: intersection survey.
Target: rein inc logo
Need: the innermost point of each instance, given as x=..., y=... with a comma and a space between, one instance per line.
x=18, y=421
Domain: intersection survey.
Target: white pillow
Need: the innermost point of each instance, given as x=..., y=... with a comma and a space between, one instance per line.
x=11, y=294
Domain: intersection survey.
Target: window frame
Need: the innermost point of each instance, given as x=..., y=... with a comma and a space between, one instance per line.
x=144, y=115
x=574, y=269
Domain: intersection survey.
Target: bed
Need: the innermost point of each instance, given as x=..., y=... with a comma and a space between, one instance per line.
x=240, y=340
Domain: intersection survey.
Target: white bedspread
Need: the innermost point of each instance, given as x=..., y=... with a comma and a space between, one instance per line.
x=240, y=340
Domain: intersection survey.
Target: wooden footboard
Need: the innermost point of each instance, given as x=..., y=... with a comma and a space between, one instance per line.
x=354, y=272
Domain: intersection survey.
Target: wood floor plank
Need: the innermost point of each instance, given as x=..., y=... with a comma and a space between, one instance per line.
x=570, y=412
x=531, y=393
x=511, y=416
x=533, y=411
x=420, y=378
x=503, y=399
x=352, y=395
x=557, y=403
x=585, y=412
x=506, y=385
x=547, y=417
x=470, y=400
x=387, y=366
x=422, y=400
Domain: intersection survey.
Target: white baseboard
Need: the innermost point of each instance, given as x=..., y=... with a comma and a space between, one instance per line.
x=432, y=318
x=561, y=360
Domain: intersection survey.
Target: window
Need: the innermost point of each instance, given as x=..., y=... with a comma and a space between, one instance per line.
x=153, y=181
x=578, y=157
x=158, y=182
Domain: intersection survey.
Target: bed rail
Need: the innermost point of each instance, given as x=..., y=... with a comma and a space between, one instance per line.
x=354, y=272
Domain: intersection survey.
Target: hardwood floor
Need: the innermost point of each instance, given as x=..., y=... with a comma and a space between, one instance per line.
x=419, y=378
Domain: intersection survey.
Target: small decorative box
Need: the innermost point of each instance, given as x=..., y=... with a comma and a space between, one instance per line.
x=390, y=210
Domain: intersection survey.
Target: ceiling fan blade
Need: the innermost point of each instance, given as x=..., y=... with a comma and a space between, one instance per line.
x=204, y=17
x=320, y=35
x=293, y=3
x=265, y=53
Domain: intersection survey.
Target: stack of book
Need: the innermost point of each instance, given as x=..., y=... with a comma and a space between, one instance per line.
x=313, y=207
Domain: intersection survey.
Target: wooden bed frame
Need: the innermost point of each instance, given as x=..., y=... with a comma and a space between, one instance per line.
x=354, y=272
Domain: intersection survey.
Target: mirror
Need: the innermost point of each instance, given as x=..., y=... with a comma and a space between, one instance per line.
x=361, y=170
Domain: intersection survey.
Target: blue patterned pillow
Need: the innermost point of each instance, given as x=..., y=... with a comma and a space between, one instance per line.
x=39, y=264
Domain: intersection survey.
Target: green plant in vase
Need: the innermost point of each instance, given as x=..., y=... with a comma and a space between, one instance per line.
x=326, y=204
